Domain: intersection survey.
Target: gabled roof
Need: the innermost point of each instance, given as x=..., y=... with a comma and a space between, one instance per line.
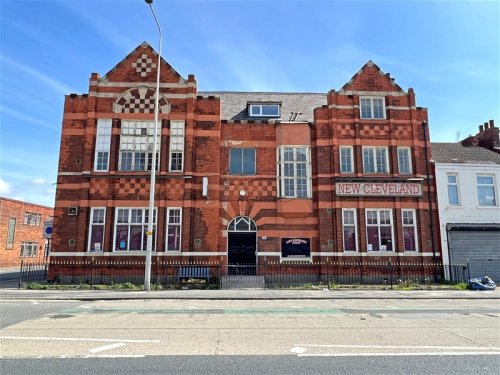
x=234, y=105
x=456, y=153
x=167, y=72
x=371, y=78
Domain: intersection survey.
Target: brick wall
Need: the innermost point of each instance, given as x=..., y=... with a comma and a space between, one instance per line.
x=10, y=256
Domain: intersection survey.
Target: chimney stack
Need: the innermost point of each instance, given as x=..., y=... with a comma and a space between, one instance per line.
x=492, y=123
x=485, y=125
x=480, y=128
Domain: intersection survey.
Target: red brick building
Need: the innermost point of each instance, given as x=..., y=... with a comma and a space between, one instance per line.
x=21, y=232
x=243, y=177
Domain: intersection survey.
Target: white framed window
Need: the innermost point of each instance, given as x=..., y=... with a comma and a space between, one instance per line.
x=29, y=249
x=102, y=145
x=11, y=231
x=294, y=171
x=375, y=160
x=372, y=107
x=264, y=110
x=346, y=159
x=32, y=218
x=486, y=190
x=453, y=191
x=409, y=221
x=379, y=230
x=96, y=228
x=136, y=145
x=242, y=161
x=404, y=160
x=131, y=225
x=349, y=229
x=174, y=229
x=177, y=135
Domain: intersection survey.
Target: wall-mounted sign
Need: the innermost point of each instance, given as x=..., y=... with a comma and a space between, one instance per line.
x=393, y=189
x=295, y=248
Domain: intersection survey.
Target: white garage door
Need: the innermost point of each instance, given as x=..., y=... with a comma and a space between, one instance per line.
x=481, y=248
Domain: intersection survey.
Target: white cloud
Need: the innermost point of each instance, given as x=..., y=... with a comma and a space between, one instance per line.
x=5, y=187
x=25, y=117
x=39, y=181
x=55, y=84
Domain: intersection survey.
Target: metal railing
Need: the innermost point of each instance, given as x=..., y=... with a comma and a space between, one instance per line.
x=212, y=274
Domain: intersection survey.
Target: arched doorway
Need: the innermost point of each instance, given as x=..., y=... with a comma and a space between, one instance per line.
x=242, y=244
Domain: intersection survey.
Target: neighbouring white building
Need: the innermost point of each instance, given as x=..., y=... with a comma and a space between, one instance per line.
x=467, y=184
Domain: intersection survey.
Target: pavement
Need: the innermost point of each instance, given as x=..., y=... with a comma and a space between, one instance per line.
x=245, y=294
x=8, y=290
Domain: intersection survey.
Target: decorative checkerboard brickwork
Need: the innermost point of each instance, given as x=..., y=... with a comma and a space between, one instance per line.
x=132, y=188
x=346, y=131
x=253, y=189
x=99, y=188
x=143, y=65
x=140, y=100
x=403, y=132
x=375, y=130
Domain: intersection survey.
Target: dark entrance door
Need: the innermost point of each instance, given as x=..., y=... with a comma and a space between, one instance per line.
x=241, y=257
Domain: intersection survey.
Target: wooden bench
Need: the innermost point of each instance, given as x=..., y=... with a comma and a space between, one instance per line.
x=193, y=272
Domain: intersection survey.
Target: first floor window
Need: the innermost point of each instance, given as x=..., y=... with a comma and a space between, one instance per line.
x=349, y=229
x=379, y=230
x=242, y=161
x=404, y=160
x=29, y=249
x=409, y=230
x=102, y=144
x=346, y=160
x=375, y=160
x=453, y=196
x=131, y=225
x=96, y=230
x=294, y=172
x=174, y=222
x=177, y=135
x=486, y=190
x=32, y=218
x=136, y=145
x=11, y=230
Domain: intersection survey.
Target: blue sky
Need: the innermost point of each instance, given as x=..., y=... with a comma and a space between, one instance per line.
x=448, y=51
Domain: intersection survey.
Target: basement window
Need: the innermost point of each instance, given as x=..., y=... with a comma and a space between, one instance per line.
x=264, y=110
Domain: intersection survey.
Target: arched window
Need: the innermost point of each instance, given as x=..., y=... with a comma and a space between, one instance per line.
x=242, y=224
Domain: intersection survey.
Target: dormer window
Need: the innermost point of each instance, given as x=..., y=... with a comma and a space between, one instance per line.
x=264, y=110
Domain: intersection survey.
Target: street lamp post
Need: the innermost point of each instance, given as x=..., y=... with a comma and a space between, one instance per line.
x=149, y=243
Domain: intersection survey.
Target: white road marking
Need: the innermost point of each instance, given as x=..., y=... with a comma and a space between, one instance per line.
x=298, y=350
x=34, y=302
x=296, y=307
x=392, y=307
x=397, y=347
x=395, y=354
x=117, y=356
x=71, y=339
x=107, y=347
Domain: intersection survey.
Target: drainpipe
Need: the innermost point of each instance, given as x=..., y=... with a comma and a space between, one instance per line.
x=429, y=195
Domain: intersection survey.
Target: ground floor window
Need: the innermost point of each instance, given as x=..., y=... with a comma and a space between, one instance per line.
x=379, y=230
x=174, y=223
x=409, y=230
x=349, y=229
x=96, y=229
x=29, y=249
x=131, y=225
